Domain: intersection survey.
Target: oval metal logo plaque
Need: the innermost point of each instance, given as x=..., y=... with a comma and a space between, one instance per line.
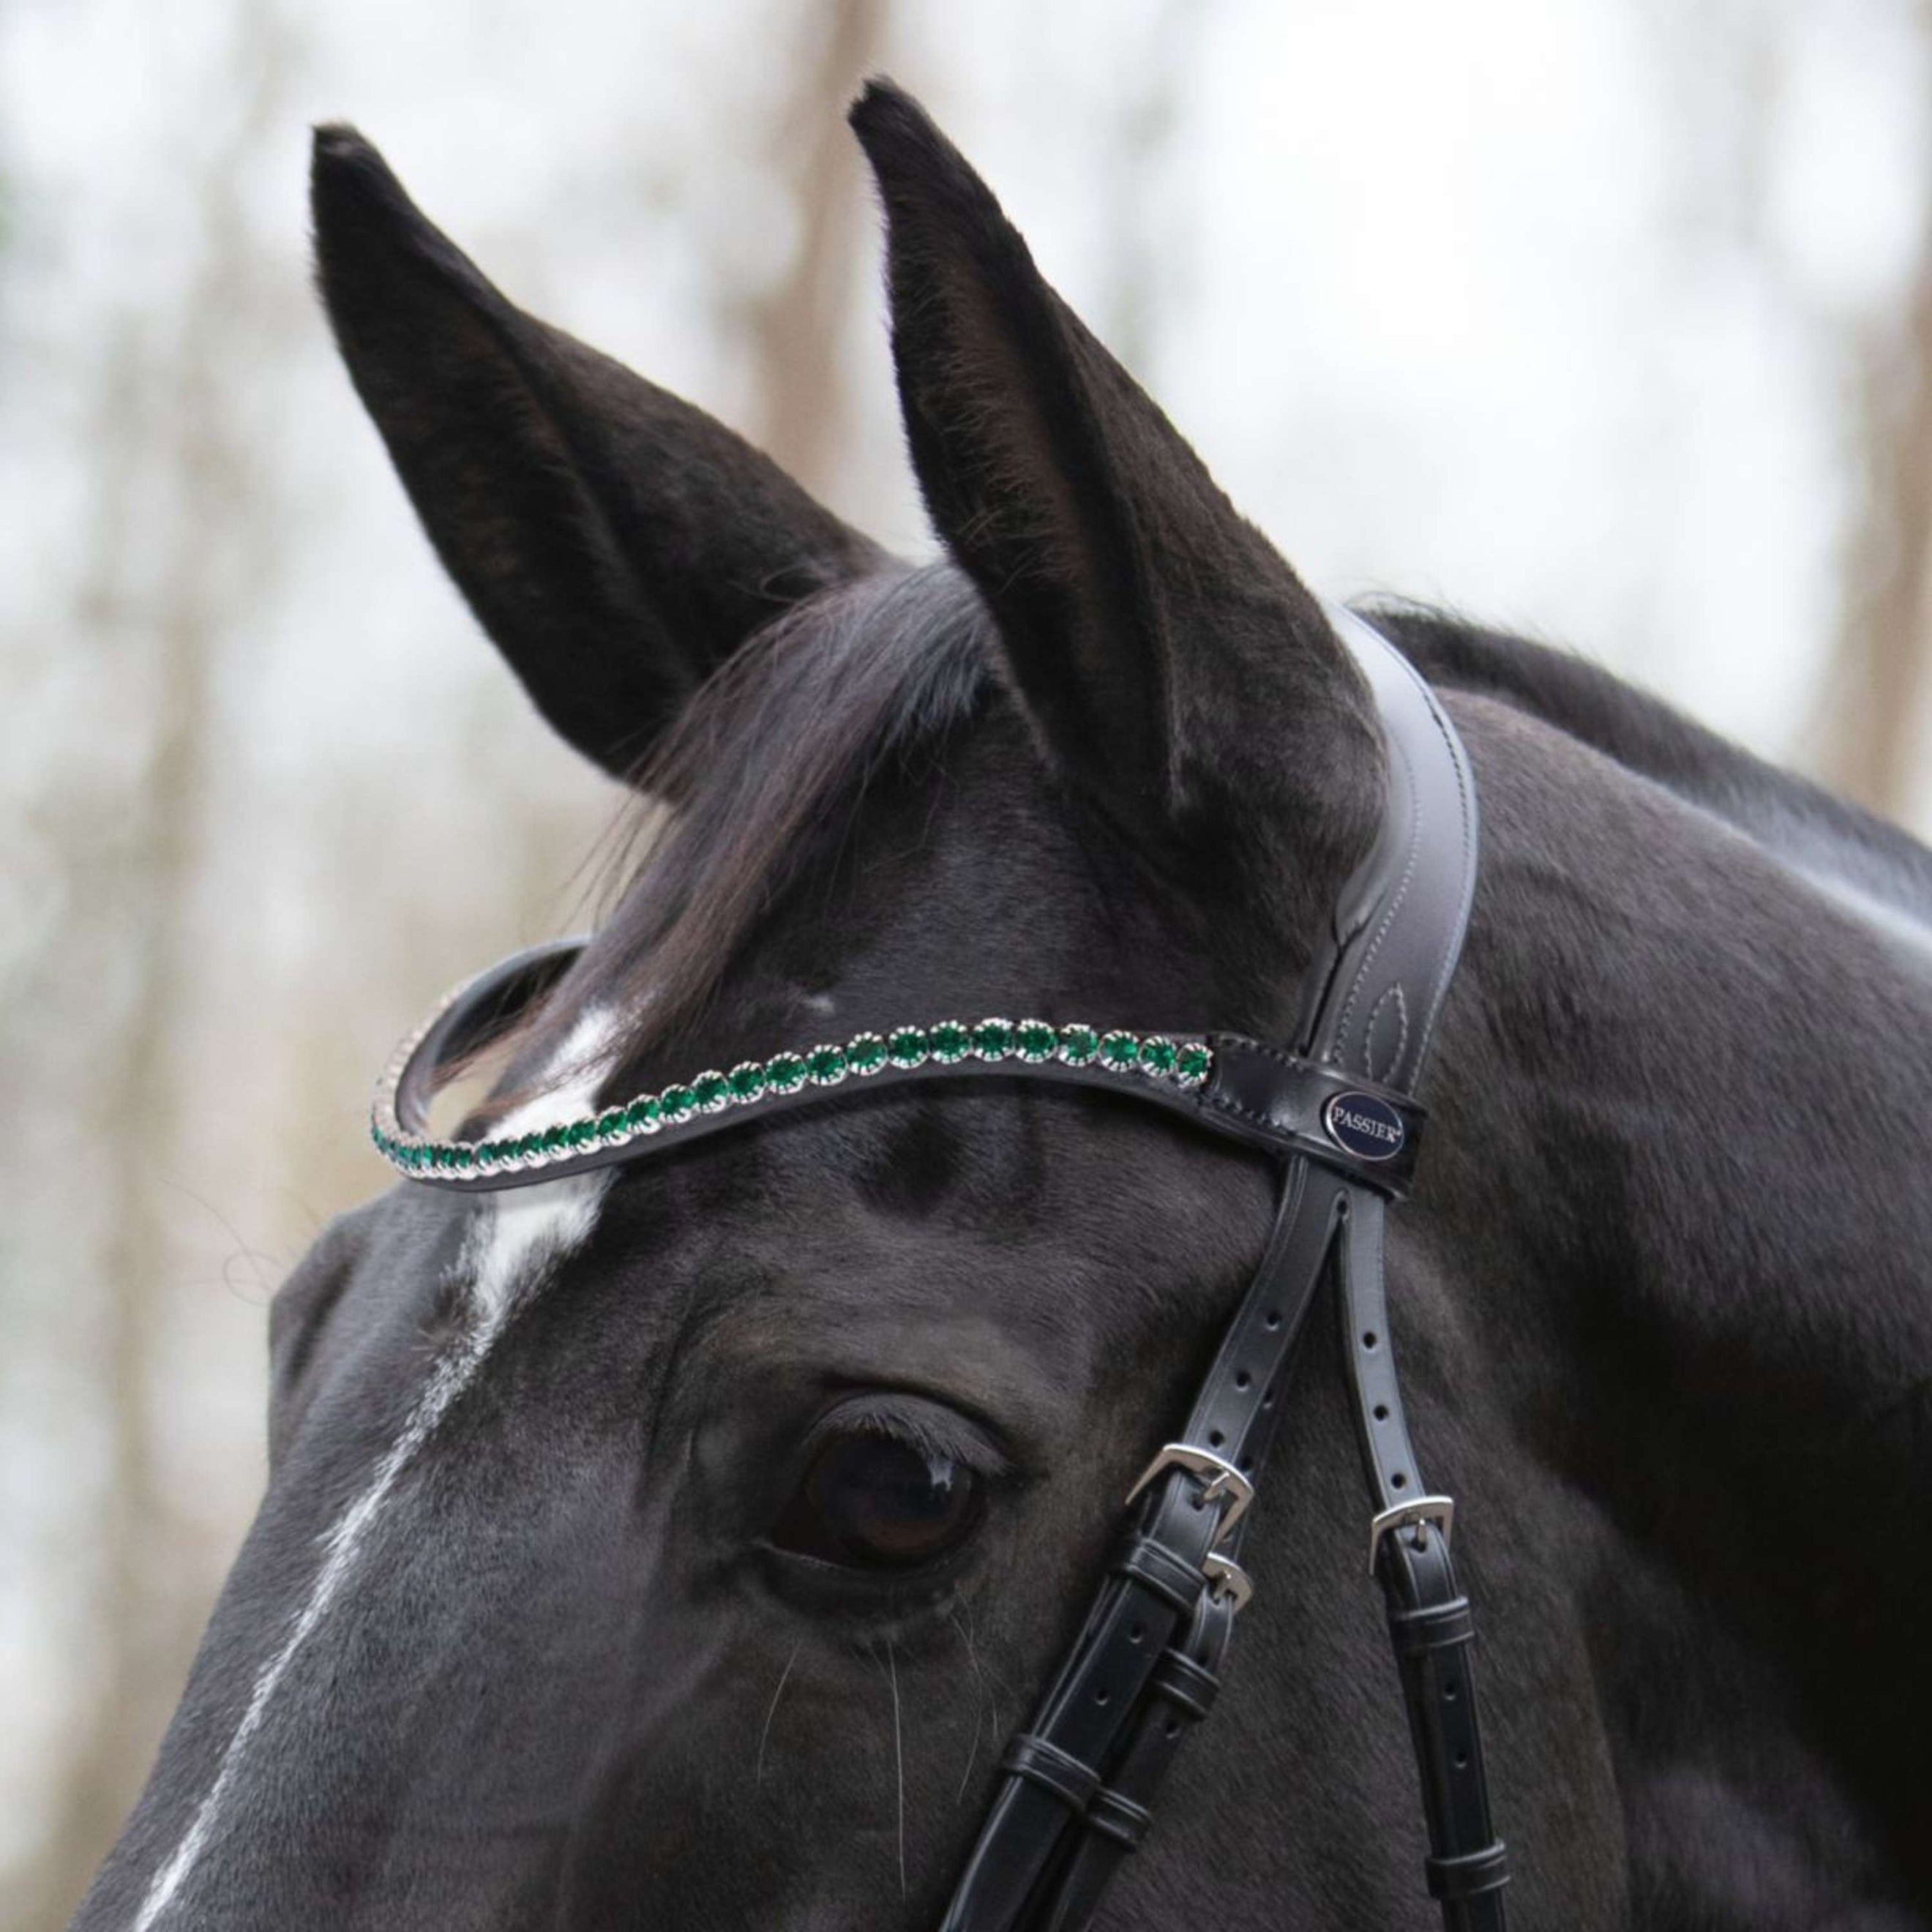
x=1360, y=1124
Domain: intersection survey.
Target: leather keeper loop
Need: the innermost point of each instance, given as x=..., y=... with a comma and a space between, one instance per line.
x=1115, y=1816
x=1042, y=1762
x=1453, y=1879
x=1175, y=1581
x=1438, y=1626
x=1189, y=1687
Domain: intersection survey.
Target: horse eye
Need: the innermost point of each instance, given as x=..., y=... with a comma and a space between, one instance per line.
x=872, y=1501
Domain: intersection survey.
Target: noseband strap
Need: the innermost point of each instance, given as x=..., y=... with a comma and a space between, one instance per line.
x=1078, y=1785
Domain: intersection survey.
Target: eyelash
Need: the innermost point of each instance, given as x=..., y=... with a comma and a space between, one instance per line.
x=920, y=1424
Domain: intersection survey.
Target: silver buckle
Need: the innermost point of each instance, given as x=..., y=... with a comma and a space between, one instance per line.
x=1225, y=1483
x=1228, y=1582
x=1441, y=1510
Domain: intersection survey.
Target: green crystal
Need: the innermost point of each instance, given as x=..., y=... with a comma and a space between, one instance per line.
x=908, y=1046
x=530, y=1143
x=555, y=1139
x=462, y=1158
x=1120, y=1051
x=581, y=1133
x=1158, y=1053
x=826, y=1064
x=1079, y=1045
x=711, y=1091
x=747, y=1080
x=610, y=1123
x=678, y=1102
x=784, y=1073
x=642, y=1115
x=1035, y=1040
x=1192, y=1062
x=866, y=1054
x=950, y=1041
x=993, y=1039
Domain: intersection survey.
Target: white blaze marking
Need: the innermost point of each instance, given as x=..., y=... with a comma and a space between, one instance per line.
x=516, y=1237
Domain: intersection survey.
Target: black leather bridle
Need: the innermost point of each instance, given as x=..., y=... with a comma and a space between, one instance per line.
x=1079, y=1782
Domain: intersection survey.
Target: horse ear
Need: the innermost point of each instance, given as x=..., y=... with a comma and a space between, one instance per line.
x=1174, y=666
x=616, y=544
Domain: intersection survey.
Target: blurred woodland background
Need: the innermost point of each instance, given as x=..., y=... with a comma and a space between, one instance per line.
x=1613, y=320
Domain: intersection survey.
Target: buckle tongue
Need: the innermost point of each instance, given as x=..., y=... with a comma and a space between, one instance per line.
x=1441, y=1510
x=1225, y=1482
x=1228, y=1581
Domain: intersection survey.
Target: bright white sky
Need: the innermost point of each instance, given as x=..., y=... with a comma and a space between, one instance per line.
x=1540, y=310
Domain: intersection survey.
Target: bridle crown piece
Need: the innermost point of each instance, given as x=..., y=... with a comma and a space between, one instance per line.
x=1337, y=1108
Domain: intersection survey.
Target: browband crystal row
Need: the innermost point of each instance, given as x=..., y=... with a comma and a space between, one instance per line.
x=1132, y=1056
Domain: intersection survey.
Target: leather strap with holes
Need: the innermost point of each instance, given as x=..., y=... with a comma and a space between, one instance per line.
x=1431, y=1626
x=1081, y=1782
x=1085, y=1767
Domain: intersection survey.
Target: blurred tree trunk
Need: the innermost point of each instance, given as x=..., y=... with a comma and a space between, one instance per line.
x=1874, y=700
x=1877, y=675
x=162, y=420
x=799, y=325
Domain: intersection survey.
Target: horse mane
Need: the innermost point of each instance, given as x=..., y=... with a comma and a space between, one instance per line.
x=1817, y=831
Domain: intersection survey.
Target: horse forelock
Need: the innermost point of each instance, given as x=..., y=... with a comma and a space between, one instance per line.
x=764, y=772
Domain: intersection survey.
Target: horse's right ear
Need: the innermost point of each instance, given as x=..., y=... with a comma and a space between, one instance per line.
x=616, y=544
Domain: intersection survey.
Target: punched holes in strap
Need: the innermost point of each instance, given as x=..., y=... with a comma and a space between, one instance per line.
x=1181, y=1690
x=1432, y=1630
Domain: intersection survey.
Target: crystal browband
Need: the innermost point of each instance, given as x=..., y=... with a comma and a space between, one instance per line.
x=1265, y=1096
x=1183, y=1063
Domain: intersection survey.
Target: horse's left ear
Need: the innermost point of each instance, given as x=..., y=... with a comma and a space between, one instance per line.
x=1176, y=669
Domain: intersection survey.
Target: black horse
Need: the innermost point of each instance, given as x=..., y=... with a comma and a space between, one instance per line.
x=677, y=1550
